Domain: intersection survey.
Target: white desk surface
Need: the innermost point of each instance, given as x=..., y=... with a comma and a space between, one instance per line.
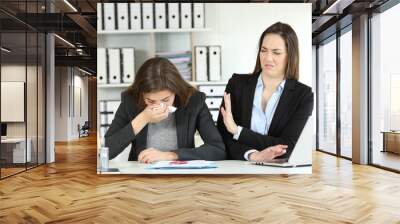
x=224, y=167
x=13, y=140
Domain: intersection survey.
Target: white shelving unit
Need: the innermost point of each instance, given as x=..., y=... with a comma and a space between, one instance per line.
x=120, y=32
x=122, y=85
x=146, y=44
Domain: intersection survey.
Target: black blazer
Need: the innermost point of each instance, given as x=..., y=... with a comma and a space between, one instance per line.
x=294, y=108
x=195, y=116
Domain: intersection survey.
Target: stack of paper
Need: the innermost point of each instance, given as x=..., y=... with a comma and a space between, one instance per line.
x=193, y=164
x=182, y=60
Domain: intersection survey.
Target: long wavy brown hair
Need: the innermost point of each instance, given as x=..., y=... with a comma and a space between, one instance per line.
x=292, y=45
x=158, y=74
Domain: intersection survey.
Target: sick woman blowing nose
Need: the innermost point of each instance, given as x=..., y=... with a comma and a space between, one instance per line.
x=159, y=115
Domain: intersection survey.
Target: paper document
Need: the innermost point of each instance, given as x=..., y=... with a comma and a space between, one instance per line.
x=193, y=164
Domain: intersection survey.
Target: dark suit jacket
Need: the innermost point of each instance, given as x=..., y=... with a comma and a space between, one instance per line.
x=294, y=108
x=195, y=116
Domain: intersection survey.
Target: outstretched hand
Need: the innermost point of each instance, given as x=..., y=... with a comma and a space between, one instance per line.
x=226, y=112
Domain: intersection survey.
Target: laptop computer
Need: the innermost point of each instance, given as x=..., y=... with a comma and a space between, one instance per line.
x=301, y=154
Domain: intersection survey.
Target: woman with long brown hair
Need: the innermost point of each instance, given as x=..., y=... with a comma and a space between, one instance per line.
x=147, y=119
x=264, y=113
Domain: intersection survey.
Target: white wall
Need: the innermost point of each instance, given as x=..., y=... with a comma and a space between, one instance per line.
x=237, y=27
x=385, y=62
x=70, y=84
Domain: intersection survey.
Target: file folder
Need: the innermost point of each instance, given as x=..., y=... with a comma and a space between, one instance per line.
x=161, y=20
x=186, y=15
x=99, y=16
x=212, y=90
x=148, y=20
x=109, y=16
x=201, y=63
x=103, y=119
x=102, y=106
x=122, y=15
x=114, y=66
x=128, y=65
x=112, y=106
x=214, y=55
x=136, y=16
x=214, y=115
x=173, y=15
x=198, y=15
x=214, y=102
x=103, y=131
x=110, y=118
x=101, y=66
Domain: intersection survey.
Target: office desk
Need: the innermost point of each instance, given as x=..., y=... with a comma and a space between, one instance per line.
x=391, y=141
x=224, y=167
x=16, y=153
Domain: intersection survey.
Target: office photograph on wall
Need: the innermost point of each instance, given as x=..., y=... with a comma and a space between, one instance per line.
x=204, y=88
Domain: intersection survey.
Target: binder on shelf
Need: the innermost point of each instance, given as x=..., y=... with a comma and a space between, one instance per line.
x=109, y=16
x=136, y=16
x=103, y=131
x=101, y=66
x=173, y=15
x=102, y=106
x=214, y=114
x=213, y=102
x=99, y=16
x=112, y=106
x=198, y=15
x=110, y=118
x=148, y=20
x=103, y=119
x=122, y=15
x=160, y=16
x=201, y=63
x=214, y=55
x=114, y=69
x=186, y=15
x=128, y=65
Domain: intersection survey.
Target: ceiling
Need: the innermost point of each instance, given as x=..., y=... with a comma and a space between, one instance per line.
x=76, y=23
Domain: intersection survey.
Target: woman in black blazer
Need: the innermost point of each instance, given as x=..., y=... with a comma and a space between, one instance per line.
x=264, y=113
x=146, y=118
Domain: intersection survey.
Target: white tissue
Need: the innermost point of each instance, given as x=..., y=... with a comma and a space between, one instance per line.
x=171, y=109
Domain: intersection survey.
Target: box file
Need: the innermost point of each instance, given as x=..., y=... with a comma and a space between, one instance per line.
x=214, y=115
x=101, y=66
x=114, y=66
x=102, y=106
x=110, y=118
x=173, y=15
x=148, y=20
x=109, y=16
x=198, y=15
x=214, y=102
x=112, y=106
x=160, y=16
x=214, y=56
x=103, y=131
x=212, y=90
x=201, y=63
x=122, y=15
x=186, y=15
x=136, y=16
x=128, y=65
x=103, y=119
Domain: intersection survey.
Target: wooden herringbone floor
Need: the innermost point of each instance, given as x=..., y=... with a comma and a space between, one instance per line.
x=70, y=191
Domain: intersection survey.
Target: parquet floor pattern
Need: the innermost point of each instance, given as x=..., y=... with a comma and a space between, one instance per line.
x=70, y=191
